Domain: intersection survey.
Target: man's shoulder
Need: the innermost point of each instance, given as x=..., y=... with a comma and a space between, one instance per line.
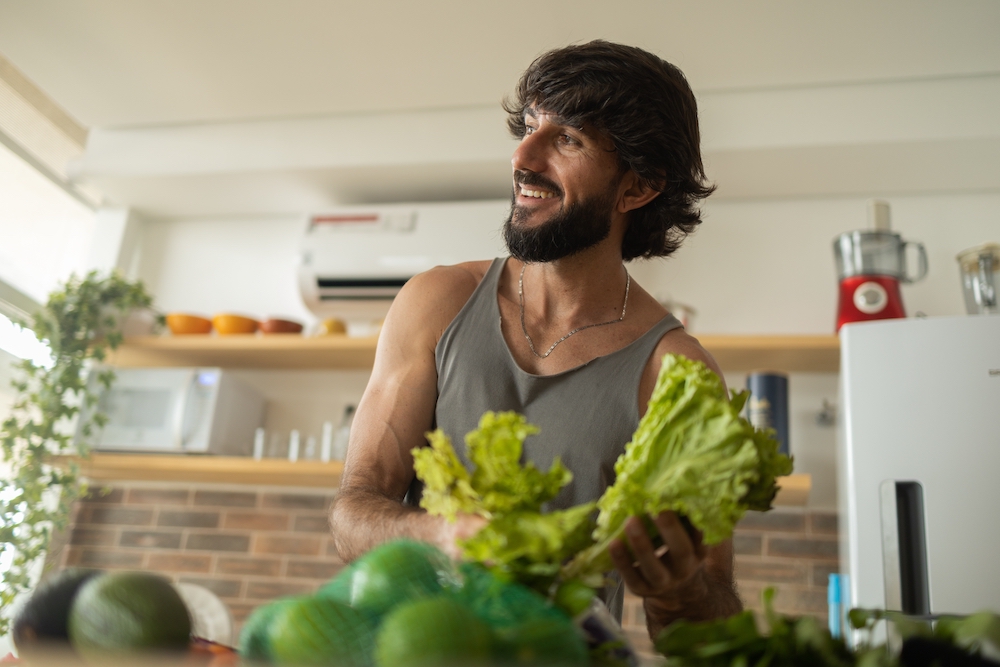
x=431, y=299
x=679, y=341
x=453, y=282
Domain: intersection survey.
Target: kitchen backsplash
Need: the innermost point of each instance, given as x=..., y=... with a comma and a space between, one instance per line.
x=251, y=544
x=246, y=544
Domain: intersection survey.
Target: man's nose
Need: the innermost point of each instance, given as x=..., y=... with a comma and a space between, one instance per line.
x=530, y=153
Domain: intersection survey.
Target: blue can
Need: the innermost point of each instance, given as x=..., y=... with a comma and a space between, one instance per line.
x=768, y=404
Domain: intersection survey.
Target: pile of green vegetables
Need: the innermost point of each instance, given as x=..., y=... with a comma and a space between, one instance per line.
x=692, y=453
x=794, y=642
x=406, y=604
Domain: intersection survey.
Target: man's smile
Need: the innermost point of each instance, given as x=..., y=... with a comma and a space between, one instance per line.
x=537, y=194
x=530, y=185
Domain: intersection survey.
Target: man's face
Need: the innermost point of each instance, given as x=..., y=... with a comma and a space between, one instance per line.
x=565, y=190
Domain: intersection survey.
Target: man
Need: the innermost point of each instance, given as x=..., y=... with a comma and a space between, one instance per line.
x=608, y=169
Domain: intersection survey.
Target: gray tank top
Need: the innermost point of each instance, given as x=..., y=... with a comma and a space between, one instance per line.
x=585, y=415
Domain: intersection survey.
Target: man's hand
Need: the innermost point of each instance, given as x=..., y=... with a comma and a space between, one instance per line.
x=681, y=579
x=462, y=528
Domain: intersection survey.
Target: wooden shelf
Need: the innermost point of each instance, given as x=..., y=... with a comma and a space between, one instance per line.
x=793, y=489
x=215, y=469
x=791, y=354
x=802, y=354
x=287, y=351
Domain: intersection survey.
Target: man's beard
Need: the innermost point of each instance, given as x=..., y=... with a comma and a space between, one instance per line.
x=570, y=230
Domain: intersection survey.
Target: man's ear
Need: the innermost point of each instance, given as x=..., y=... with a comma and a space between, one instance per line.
x=635, y=192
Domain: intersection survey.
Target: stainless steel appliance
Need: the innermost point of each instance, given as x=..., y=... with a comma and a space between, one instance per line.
x=181, y=410
x=980, y=268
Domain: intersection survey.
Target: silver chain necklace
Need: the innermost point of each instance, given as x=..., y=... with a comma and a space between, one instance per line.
x=524, y=328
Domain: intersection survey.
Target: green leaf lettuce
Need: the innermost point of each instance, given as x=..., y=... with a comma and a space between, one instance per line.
x=693, y=454
x=519, y=542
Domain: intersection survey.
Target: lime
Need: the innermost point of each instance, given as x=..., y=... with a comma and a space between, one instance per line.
x=339, y=588
x=254, y=644
x=128, y=612
x=543, y=642
x=320, y=631
x=501, y=603
x=433, y=632
x=396, y=572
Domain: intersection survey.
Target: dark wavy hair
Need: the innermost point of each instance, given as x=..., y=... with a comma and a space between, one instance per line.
x=645, y=105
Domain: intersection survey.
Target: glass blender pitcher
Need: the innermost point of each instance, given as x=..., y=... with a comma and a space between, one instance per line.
x=980, y=267
x=870, y=266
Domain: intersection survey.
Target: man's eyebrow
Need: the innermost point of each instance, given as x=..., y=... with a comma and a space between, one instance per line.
x=553, y=118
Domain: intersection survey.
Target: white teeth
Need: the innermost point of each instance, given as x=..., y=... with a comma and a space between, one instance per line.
x=539, y=194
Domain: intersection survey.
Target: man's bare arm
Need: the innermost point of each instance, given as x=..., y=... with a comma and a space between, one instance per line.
x=393, y=417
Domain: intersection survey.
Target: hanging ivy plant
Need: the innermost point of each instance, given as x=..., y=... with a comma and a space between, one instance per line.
x=79, y=323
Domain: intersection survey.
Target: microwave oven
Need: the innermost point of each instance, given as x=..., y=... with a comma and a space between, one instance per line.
x=178, y=410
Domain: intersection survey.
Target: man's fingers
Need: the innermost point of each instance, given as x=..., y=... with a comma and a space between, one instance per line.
x=622, y=560
x=653, y=571
x=682, y=556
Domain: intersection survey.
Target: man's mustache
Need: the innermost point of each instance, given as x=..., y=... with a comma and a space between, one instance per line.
x=530, y=178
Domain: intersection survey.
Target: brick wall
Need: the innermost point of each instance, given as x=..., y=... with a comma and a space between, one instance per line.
x=792, y=550
x=252, y=544
x=248, y=545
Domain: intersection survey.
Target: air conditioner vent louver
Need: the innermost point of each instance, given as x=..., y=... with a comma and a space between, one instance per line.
x=332, y=289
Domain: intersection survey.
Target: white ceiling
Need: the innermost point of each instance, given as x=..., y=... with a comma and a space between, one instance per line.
x=122, y=64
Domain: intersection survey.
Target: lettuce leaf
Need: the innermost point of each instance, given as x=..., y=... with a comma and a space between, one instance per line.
x=499, y=484
x=519, y=542
x=692, y=453
x=530, y=547
x=448, y=487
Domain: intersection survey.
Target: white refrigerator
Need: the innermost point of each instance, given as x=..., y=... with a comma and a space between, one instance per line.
x=919, y=464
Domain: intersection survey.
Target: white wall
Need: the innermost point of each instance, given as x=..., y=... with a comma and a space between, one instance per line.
x=768, y=266
x=233, y=266
x=754, y=267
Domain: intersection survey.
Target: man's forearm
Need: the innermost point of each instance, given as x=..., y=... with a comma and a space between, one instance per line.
x=362, y=519
x=717, y=599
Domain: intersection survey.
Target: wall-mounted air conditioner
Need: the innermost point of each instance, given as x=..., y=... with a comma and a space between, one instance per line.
x=354, y=260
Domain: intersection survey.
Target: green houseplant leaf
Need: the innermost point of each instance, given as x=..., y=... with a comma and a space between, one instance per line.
x=79, y=323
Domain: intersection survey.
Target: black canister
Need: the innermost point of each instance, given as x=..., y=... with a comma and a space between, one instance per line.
x=768, y=404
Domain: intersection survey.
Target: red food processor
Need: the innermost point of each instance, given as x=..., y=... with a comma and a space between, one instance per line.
x=870, y=266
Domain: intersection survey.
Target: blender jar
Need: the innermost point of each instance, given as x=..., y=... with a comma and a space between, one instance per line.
x=881, y=253
x=980, y=266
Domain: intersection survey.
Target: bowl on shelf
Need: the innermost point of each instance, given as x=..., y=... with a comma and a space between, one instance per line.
x=275, y=325
x=184, y=323
x=227, y=324
x=331, y=327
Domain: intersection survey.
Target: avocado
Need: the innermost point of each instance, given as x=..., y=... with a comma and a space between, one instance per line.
x=42, y=621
